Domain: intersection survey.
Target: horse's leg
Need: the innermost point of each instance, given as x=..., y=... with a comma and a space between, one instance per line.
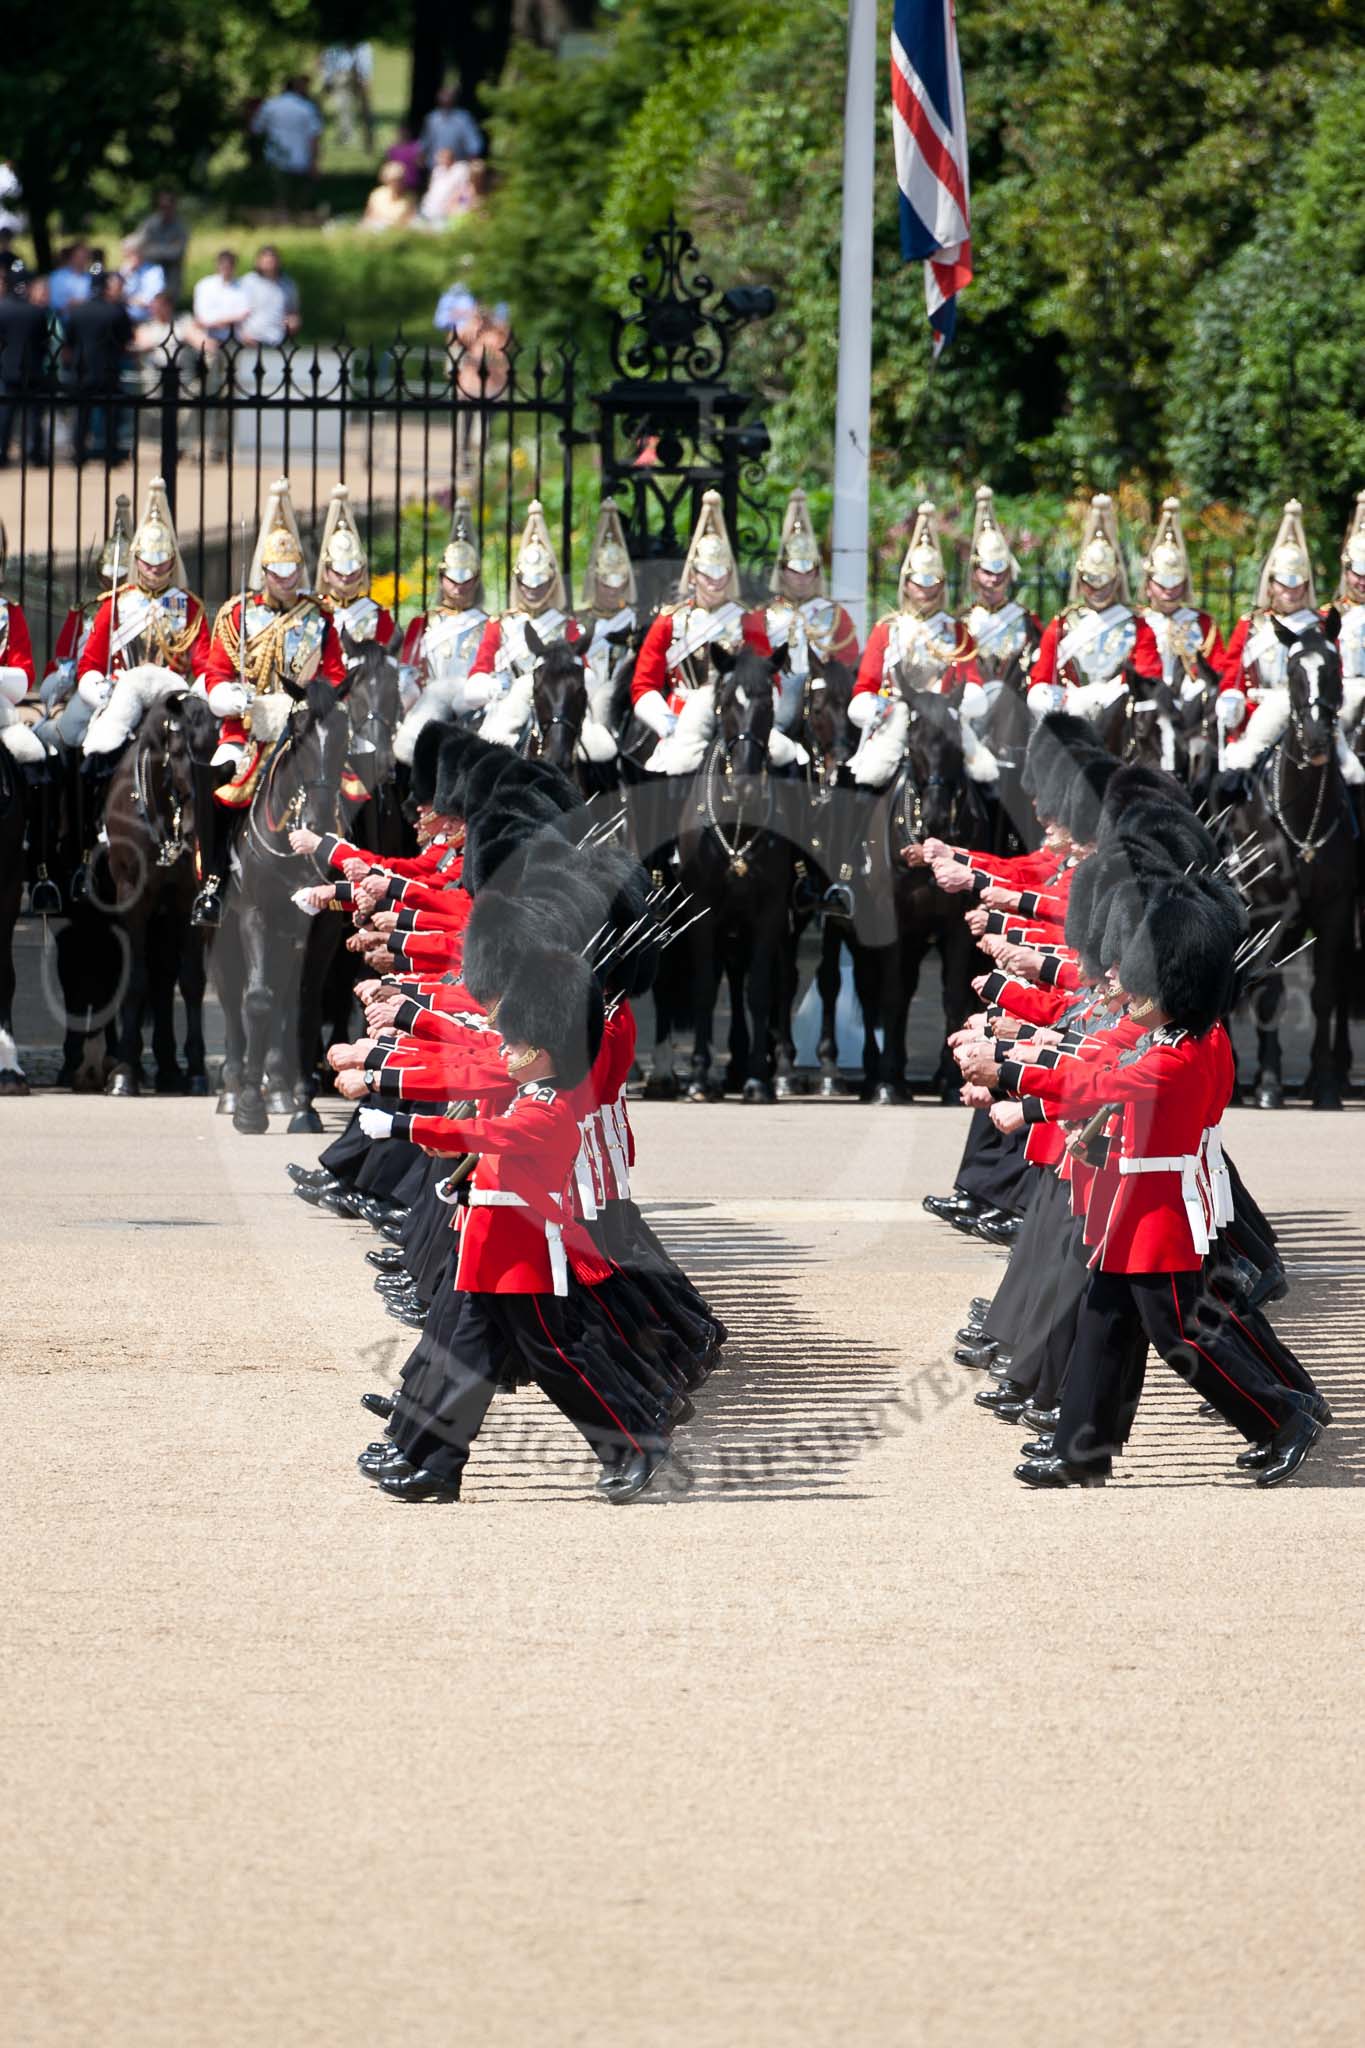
x=193, y=978
x=250, y=1115
x=318, y=959
x=229, y=976
x=284, y=978
x=126, y=1077
x=12, y=1080
x=896, y=1053
x=787, y=982
x=1269, y=1084
x=703, y=954
x=761, y=979
x=828, y=977
x=1333, y=935
x=162, y=961
x=737, y=1067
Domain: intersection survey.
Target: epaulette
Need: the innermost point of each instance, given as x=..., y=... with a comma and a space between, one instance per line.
x=541, y=1091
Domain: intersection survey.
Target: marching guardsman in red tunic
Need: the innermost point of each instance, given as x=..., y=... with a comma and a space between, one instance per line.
x=267, y=646
x=343, y=573
x=538, y=601
x=439, y=645
x=921, y=639
x=16, y=674
x=675, y=660
x=608, y=609
x=1085, y=652
x=1256, y=659
x=800, y=616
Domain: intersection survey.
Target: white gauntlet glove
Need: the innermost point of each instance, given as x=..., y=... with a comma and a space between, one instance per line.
x=228, y=700
x=652, y=710
x=376, y=1123
x=864, y=707
x=95, y=690
x=1045, y=697
x=13, y=684
x=1231, y=707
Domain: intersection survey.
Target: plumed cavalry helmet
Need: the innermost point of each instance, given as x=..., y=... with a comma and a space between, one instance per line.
x=460, y=562
x=1289, y=561
x=552, y=1002
x=537, y=565
x=342, y=550
x=119, y=543
x=991, y=552
x=155, y=541
x=797, y=549
x=1353, y=546
x=1166, y=561
x=709, y=552
x=1100, y=559
x=609, y=582
x=923, y=564
x=278, y=543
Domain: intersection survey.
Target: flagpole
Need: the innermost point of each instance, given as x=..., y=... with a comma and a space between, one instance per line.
x=853, y=402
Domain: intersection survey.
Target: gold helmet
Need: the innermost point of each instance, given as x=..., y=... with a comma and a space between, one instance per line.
x=537, y=565
x=1166, y=562
x=278, y=543
x=923, y=565
x=460, y=562
x=1100, y=559
x=991, y=552
x=155, y=541
x=798, y=548
x=120, y=541
x=709, y=552
x=1289, y=561
x=342, y=550
x=1353, y=547
x=609, y=583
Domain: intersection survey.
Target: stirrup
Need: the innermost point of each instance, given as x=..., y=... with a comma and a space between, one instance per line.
x=206, y=912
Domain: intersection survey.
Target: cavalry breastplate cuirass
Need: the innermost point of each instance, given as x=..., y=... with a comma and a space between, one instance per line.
x=283, y=647
x=1179, y=637
x=698, y=631
x=1263, y=651
x=801, y=628
x=513, y=653
x=999, y=636
x=358, y=620
x=920, y=648
x=450, y=642
x=1352, y=642
x=1096, y=644
x=150, y=627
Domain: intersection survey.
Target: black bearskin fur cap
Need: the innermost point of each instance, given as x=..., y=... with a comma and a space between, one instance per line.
x=1057, y=734
x=552, y=1001
x=500, y=931
x=1136, y=783
x=426, y=754
x=1079, y=815
x=1178, y=834
x=1182, y=952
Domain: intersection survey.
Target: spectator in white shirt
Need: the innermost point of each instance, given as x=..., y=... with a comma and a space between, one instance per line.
x=452, y=127
x=141, y=280
x=221, y=307
x=273, y=299
x=290, y=128
x=450, y=191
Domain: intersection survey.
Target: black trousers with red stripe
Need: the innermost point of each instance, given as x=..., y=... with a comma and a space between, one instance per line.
x=1213, y=1354
x=469, y=1341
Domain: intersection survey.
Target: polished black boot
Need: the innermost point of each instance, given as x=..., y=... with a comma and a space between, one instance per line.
x=1053, y=1473
x=949, y=1207
x=1288, y=1448
x=378, y=1404
x=417, y=1486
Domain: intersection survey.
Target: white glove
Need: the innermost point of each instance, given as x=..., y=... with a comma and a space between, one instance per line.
x=95, y=690
x=652, y=710
x=376, y=1123
x=864, y=707
x=13, y=684
x=1045, y=697
x=1231, y=707
x=228, y=700
x=975, y=703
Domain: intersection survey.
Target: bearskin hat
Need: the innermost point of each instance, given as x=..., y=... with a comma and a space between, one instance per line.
x=1136, y=783
x=1059, y=733
x=426, y=753
x=1183, y=952
x=552, y=1001
x=1081, y=803
x=497, y=835
x=499, y=932
x=1057, y=777
x=460, y=751
x=1184, y=839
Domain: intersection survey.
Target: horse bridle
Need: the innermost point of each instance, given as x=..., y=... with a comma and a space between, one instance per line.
x=167, y=850
x=292, y=816
x=736, y=848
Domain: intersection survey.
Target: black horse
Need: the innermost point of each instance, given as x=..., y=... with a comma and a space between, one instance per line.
x=258, y=958
x=560, y=729
x=736, y=862
x=150, y=824
x=1292, y=801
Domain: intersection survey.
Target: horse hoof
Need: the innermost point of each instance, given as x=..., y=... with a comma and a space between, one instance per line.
x=756, y=1091
x=661, y=1088
x=884, y=1095
x=697, y=1091
x=250, y=1118
x=1328, y=1096
x=121, y=1083
x=829, y=1086
x=12, y=1082
x=198, y=1084
x=784, y=1088
x=227, y=1102
x=279, y=1102
x=1270, y=1095
x=305, y=1121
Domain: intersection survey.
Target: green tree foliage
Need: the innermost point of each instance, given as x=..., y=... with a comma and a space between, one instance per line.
x=1134, y=172
x=93, y=103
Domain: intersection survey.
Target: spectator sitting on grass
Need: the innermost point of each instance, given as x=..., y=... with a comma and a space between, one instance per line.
x=408, y=152
x=450, y=191
x=389, y=206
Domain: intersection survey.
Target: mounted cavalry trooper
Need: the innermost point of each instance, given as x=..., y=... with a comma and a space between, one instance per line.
x=1086, y=652
x=16, y=674
x=343, y=574
x=1256, y=658
x=440, y=645
x=1004, y=636
x=267, y=646
x=1351, y=597
x=538, y=604
x=608, y=609
x=1183, y=634
x=920, y=639
x=800, y=616
x=675, y=661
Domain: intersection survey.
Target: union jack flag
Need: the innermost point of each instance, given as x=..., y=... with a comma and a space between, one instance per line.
x=929, y=120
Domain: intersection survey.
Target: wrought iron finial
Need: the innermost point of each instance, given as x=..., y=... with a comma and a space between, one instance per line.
x=681, y=328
